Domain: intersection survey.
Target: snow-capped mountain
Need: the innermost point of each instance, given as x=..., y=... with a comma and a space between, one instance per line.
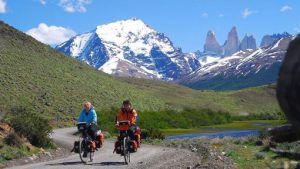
x=131, y=48
x=251, y=67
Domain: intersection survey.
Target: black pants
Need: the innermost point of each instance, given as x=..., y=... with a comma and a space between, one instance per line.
x=92, y=131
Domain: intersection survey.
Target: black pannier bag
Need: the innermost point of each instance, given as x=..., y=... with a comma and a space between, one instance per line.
x=118, y=147
x=76, y=147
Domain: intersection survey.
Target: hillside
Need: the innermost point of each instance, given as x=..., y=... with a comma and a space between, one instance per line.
x=44, y=80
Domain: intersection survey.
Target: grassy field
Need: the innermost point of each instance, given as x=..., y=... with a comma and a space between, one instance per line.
x=48, y=82
x=247, y=155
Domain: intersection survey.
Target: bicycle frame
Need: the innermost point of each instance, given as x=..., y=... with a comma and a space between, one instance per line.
x=84, y=140
x=123, y=127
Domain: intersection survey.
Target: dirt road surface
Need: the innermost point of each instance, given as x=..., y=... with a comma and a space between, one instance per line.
x=147, y=156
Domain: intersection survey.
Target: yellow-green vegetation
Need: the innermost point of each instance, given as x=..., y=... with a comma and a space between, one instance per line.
x=14, y=152
x=165, y=119
x=252, y=124
x=47, y=82
x=234, y=125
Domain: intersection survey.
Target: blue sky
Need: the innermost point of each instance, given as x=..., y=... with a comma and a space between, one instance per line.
x=185, y=22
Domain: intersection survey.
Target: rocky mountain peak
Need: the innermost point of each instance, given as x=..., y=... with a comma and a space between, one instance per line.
x=211, y=46
x=248, y=42
x=232, y=43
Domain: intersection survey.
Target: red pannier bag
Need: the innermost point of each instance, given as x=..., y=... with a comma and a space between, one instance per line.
x=100, y=139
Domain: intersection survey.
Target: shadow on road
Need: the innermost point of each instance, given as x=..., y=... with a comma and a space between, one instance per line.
x=94, y=164
x=66, y=163
x=109, y=163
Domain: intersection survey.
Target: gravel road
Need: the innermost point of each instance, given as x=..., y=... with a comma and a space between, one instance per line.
x=147, y=156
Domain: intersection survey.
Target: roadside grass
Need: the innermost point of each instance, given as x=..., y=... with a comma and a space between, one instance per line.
x=250, y=156
x=8, y=152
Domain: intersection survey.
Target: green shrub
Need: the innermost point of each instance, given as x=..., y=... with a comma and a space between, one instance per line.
x=13, y=139
x=260, y=155
x=261, y=116
x=152, y=134
x=188, y=118
x=106, y=119
x=31, y=125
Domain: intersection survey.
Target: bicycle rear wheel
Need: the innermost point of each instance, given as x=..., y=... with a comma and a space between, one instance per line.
x=91, y=156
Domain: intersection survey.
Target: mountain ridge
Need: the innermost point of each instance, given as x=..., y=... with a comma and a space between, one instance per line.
x=249, y=65
x=131, y=48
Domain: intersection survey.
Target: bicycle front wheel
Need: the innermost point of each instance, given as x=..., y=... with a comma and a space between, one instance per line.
x=126, y=151
x=83, y=151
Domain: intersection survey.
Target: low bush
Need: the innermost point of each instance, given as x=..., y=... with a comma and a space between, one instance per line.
x=152, y=134
x=32, y=126
x=13, y=139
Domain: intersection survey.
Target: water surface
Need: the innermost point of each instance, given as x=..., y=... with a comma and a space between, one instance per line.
x=217, y=134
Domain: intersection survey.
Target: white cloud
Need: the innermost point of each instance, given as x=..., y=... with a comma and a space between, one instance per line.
x=51, y=35
x=204, y=15
x=285, y=8
x=43, y=2
x=74, y=5
x=248, y=12
x=221, y=15
x=2, y=6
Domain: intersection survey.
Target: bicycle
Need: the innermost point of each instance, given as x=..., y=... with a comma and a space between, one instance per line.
x=85, y=144
x=123, y=127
